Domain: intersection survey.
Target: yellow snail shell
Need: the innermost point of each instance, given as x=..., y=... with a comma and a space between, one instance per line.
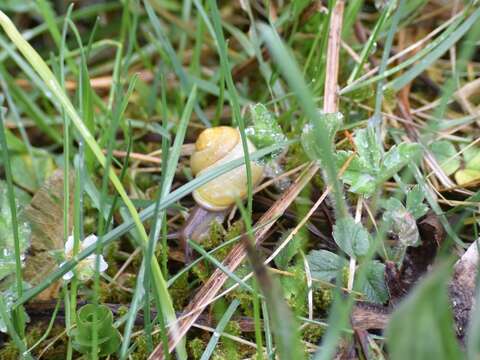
x=214, y=147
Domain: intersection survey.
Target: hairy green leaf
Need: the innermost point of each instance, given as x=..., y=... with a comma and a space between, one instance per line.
x=351, y=237
x=325, y=265
x=374, y=287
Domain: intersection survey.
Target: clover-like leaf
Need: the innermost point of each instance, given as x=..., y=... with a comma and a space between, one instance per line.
x=325, y=265
x=351, y=237
x=358, y=174
x=445, y=152
x=415, y=205
x=472, y=158
x=30, y=172
x=466, y=176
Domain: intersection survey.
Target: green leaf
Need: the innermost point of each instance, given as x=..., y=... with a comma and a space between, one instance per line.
x=368, y=148
x=311, y=138
x=100, y=317
x=369, y=168
x=374, y=287
x=472, y=158
x=397, y=157
x=415, y=205
x=7, y=243
x=265, y=130
x=294, y=287
x=358, y=174
x=30, y=172
x=325, y=265
x=444, y=152
x=422, y=326
x=402, y=223
x=351, y=237
x=290, y=250
x=465, y=176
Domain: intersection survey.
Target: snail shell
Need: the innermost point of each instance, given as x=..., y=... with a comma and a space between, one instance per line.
x=214, y=147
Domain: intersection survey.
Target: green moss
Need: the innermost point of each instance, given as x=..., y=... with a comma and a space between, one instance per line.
x=235, y=230
x=295, y=288
x=215, y=237
x=9, y=351
x=141, y=351
x=180, y=291
x=196, y=347
x=113, y=294
x=312, y=333
x=322, y=299
x=109, y=253
x=33, y=334
x=202, y=271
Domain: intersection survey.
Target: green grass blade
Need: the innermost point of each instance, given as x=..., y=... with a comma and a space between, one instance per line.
x=435, y=54
x=219, y=329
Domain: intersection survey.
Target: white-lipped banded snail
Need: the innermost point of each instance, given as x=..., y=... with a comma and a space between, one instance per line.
x=214, y=147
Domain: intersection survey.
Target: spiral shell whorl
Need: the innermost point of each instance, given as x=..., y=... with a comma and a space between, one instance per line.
x=214, y=147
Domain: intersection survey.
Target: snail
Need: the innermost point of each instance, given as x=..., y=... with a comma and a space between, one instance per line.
x=214, y=147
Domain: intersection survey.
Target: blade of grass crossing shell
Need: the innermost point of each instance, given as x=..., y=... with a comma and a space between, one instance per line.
x=225, y=68
x=42, y=69
x=219, y=329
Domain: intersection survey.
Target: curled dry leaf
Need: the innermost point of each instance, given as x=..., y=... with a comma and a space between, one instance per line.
x=45, y=214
